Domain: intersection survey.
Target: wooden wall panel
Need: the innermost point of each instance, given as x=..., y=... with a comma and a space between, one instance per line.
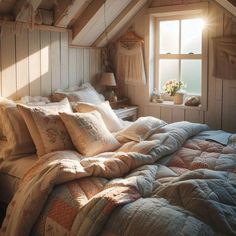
x=55, y=60
x=34, y=63
x=72, y=67
x=39, y=62
x=64, y=60
x=86, y=65
x=46, y=81
x=80, y=64
x=8, y=65
x=22, y=63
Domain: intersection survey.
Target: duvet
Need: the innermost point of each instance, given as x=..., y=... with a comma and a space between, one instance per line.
x=127, y=192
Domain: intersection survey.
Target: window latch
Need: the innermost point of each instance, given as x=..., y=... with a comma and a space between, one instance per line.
x=168, y=53
x=191, y=53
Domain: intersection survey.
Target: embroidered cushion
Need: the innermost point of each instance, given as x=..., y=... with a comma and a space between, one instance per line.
x=46, y=128
x=89, y=133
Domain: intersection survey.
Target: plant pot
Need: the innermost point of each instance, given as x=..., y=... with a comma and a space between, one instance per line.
x=178, y=98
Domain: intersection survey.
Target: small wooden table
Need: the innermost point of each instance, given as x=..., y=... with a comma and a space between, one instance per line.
x=127, y=113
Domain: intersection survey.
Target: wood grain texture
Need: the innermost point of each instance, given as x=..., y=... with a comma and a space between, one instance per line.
x=39, y=62
x=8, y=65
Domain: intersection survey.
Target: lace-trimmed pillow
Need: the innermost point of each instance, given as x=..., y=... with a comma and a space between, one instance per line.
x=89, y=134
x=46, y=128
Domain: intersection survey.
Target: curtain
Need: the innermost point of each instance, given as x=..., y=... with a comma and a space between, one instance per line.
x=130, y=65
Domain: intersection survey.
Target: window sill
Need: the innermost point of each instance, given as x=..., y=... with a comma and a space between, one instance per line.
x=170, y=104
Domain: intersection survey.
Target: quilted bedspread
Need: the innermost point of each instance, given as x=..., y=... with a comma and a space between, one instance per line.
x=128, y=193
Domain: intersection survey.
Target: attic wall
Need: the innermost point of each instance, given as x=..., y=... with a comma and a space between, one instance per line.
x=39, y=62
x=221, y=106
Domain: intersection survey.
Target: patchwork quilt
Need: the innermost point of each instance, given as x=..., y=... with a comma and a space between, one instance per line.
x=127, y=192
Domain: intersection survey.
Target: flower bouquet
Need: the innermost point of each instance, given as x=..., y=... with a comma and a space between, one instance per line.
x=172, y=86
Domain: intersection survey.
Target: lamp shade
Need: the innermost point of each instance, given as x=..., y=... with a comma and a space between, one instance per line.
x=108, y=79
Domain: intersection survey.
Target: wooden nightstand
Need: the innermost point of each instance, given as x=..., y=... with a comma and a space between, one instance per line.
x=127, y=113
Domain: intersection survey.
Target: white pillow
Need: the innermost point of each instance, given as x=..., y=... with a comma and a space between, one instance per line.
x=89, y=133
x=111, y=120
x=141, y=129
x=85, y=93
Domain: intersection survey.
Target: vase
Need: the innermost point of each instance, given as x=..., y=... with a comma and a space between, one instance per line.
x=178, y=98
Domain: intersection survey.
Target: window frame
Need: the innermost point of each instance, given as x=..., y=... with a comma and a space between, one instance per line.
x=183, y=12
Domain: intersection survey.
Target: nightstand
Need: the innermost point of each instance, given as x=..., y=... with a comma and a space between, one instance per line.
x=127, y=113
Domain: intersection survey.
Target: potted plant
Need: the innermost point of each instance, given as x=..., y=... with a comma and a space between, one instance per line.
x=173, y=88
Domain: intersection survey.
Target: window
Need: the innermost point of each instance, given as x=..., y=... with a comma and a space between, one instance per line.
x=179, y=52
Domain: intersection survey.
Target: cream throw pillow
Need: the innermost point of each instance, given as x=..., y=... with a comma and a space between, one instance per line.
x=85, y=93
x=89, y=133
x=108, y=115
x=141, y=129
x=46, y=128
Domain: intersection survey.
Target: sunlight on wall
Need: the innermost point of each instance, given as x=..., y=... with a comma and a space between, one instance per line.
x=44, y=60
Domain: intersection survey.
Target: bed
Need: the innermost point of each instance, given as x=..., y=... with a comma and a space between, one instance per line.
x=165, y=179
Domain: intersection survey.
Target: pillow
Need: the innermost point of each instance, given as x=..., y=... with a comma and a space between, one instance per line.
x=36, y=100
x=85, y=93
x=15, y=137
x=89, y=133
x=111, y=120
x=141, y=129
x=55, y=107
x=16, y=140
x=46, y=128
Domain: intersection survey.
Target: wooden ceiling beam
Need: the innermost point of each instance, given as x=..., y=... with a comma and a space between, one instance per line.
x=60, y=10
x=84, y=18
x=23, y=7
x=68, y=10
x=113, y=24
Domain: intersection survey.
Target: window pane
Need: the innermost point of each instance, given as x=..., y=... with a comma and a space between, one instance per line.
x=191, y=36
x=168, y=70
x=191, y=73
x=169, y=37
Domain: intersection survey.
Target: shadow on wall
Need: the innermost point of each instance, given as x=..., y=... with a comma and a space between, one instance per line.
x=39, y=62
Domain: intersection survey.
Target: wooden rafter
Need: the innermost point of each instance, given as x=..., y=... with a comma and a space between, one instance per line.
x=67, y=11
x=85, y=17
x=24, y=8
x=228, y=5
x=60, y=10
x=113, y=24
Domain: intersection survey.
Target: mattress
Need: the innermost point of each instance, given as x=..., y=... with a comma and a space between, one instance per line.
x=11, y=171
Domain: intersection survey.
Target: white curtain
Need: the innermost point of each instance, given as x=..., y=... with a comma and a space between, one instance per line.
x=130, y=65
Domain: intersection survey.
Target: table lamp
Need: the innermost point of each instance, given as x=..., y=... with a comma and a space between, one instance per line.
x=108, y=80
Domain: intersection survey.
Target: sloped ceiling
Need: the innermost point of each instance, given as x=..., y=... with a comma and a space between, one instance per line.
x=92, y=22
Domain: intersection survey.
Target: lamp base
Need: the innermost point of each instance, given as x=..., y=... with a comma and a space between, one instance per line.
x=112, y=97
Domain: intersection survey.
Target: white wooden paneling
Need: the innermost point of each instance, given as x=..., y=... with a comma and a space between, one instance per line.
x=72, y=67
x=166, y=114
x=34, y=63
x=8, y=65
x=177, y=114
x=39, y=62
x=22, y=63
x=86, y=65
x=64, y=60
x=46, y=81
x=55, y=60
x=80, y=64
